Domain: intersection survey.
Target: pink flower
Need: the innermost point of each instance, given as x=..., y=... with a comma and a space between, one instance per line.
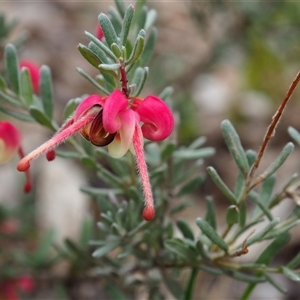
x=10, y=287
x=10, y=143
x=34, y=73
x=119, y=122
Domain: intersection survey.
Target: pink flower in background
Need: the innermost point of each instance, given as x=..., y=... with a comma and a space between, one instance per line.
x=119, y=122
x=99, y=32
x=34, y=73
x=10, y=288
x=10, y=144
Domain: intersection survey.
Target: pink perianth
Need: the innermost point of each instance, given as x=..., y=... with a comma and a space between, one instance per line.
x=149, y=211
x=76, y=126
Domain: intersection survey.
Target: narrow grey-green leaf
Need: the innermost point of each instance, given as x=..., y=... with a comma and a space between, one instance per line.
x=40, y=117
x=151, y=18
x=277, y=163
x=211, y=270
x=89, y=55
x=140, y=84
x=295, y=262
x=102, y=46
x=211, y=234
x=10, y=99
x=185, y=229
x=121, y=7
x=290, y=274
x=46, y=91
x=116, y=50
x=109, y=67
x=108, y=29
x=98, y=52
x=11, y=64
x=149, y=47
x=2, y=83
x=188, y=154
x=17, y=115
x=137, y=50
x=26, y=87
x=294, y=133
x=178, y=247
x=260, y=235
x=235, y=147
x=256, y=198
x=126, y=24
x=221, y=185
x=191, y=186
x=210, y=216
x=200, y=141
x=245, y=277
x=275, y=284
x=92, y=81
x=232, y=215
x=107, y=248
x=69, y=108
x=202, y=251
x=166, y=93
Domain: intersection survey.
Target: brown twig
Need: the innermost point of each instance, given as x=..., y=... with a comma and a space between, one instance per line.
x=271, y=129
x=124, y=79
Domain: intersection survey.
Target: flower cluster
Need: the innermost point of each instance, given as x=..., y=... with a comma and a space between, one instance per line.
x=119, y=122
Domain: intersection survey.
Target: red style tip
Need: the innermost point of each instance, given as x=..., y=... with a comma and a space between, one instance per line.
x=27, y=187
x=148, y=213
x=50, y=155
x=23, y=166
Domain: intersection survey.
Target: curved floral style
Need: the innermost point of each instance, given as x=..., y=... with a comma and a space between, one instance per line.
x=10, y=144
x=119, y=122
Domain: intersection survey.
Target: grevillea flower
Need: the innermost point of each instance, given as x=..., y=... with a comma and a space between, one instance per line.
x=34, y=72
x=10, y=287
x=10, y=143
x=119, y=122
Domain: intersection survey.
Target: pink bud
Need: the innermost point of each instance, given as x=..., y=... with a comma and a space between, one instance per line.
x=34, y=73
x=99, y=32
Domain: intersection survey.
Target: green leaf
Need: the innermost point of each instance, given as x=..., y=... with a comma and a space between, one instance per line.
x=89, y=55
x=295, y=262
x=40, y=117
x=17, y=115
x=26, y=87
x=211, y=270
x=102, y=46
x=116, y=50
x=232, y=215
x=257, y=199
x=46, y=91
x=138, y=48
x=202, y=251
x=211, y=234
x=188, y=154
x=151, y=18
x=221, y=185
x=277, y=163
x=260, y=235
x=191, y=185
x=243, y=214
x=121, y=7
x=167, y=151
x=275, y=284
x=86, y=233
x=245, y=277
x=174, y=286
x=10, y=99
x=11, y=64
x=166, y=93
x=235, y=147
x=107, y=248
x=210, y=217
x=139, y=79
x=178, y=247
x=200, y=141
x=92, y=81
x=108, y=29
x=149, y=47
x=180, y=207
x=185, y=229
x=70, y=108
x=126, y=24
x=2, y=83
x=109, y=67
x=294, y=134
x=290, y=274
x=100, y=191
